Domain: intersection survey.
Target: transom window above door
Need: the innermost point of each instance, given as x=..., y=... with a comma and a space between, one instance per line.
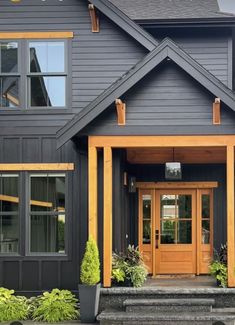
x=33, y=74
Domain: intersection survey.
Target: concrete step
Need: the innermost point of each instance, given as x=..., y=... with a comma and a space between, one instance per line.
x=134, y=318
x=169, y=305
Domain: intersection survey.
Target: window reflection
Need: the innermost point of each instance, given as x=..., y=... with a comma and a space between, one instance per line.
x=9, y=213
x=205, y=213
x=47, y=57
x=9, y=91
x=9, y=57
x=176, y=219
x=47, y=91
x=146, y=199
x=47, y=206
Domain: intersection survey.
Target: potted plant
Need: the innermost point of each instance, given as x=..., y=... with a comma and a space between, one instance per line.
x=129, y=269
x=218, y=267
x=89, y=290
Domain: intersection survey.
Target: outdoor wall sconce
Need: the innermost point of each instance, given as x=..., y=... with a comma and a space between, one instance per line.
x=132, y=184
x=173, y=169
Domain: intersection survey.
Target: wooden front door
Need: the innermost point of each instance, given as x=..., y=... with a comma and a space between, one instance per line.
x=175, y=230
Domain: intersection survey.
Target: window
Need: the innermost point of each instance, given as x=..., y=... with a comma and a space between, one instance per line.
x=9, y=76
x=47, y=213
x=47, y=79
x=33, y=74
x=9, y=213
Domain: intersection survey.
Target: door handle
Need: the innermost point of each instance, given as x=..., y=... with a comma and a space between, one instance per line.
x=157, y=237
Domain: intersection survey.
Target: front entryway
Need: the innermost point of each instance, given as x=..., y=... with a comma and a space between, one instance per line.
x=175, y=229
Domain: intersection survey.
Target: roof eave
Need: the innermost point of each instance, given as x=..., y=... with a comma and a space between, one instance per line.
x=185, y=22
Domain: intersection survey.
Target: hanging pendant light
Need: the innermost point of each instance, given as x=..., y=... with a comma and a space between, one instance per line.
x=173, y=169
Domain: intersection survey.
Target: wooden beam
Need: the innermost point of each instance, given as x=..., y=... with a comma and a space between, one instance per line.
x=178, y=185
x=162, y=141
x=36, y=35
x=95, y=23
x=121, y=112
x=216, y=112
x=193, y=155
x=37, y=167
x=107, y=235
x=92, y=193
x=15, y=199
x=230, y=216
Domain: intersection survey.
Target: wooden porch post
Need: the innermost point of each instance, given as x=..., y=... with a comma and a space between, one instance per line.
x=230, y=215
x=107, y=229
x=92, y=193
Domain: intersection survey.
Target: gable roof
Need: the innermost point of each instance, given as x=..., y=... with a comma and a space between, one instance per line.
x=124, y=22
x=166, y=49
x=168, y=9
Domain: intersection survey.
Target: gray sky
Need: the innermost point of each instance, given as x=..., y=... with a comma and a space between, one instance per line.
x=227, y=5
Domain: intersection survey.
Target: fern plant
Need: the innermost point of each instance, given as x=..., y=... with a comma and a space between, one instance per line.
x=90, y=268
x=12, y=307
x=55, y=306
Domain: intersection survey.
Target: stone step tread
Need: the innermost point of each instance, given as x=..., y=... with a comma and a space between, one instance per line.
x=126, y=316
x=169, y=302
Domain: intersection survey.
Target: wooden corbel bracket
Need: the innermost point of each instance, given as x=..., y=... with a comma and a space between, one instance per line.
x=216, y=111
x=95, y=22
x=121, y=111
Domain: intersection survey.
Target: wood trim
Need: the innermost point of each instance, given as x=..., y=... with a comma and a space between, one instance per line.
x=216, y=112
x=178, y=185
x=37, y=167
x=198, y=230
x=35, y=35
x=15, y=199
x=92, y=193
x=95, y=23
x=121, y=112
x=107, y=235
x=162, y=141
x=230, y=215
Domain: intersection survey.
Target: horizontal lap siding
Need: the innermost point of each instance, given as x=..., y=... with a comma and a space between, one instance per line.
x=212, y=49
x=97, y=59
x=167, y=101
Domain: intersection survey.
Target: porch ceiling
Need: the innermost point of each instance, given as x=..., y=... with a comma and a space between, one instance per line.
x=194, y=155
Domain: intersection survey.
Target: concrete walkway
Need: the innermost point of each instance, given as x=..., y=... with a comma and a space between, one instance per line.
x=202, y=281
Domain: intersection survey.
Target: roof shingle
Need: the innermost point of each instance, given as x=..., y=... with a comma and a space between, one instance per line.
x=170, y=9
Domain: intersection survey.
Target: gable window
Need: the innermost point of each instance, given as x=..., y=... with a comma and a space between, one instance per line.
x=47, y=77
x=9, y=213
x=47, y=213
x=9, y=74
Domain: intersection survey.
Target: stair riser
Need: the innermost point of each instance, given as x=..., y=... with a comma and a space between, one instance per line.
x=169, y=309
x=159, y=322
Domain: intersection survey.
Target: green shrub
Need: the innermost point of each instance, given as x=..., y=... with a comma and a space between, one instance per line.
x=12, y=307
x=130, y=267
x=90, y=268
x=220, y=272
x=55, y=306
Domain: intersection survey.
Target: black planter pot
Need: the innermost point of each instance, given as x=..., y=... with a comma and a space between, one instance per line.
x=89, y=297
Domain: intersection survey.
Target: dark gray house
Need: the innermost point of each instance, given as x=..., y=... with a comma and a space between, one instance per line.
x=117, y=121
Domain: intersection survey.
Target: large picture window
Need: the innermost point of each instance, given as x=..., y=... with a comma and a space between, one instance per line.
x=47, y=78
x=9, y=74
x=47, y=213
x=9, y=213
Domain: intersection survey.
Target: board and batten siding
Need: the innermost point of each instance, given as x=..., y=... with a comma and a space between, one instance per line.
x=96, y=60
x=166, y=101
x=212, y=48
x=31, y=274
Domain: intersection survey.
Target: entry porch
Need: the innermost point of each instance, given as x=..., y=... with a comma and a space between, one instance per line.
x=211, y=150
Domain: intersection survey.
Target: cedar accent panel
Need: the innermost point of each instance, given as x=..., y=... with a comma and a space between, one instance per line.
x=184, y=155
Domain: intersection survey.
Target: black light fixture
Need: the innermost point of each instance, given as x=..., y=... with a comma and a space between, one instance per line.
x=173, y=169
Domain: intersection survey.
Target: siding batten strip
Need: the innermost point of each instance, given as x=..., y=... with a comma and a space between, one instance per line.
x=230, y=215
x=107, y=244
x=92, y=197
